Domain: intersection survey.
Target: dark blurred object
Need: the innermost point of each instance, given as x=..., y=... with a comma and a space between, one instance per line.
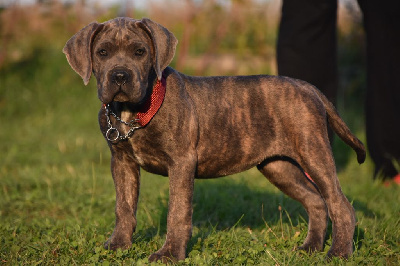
x=307, y=50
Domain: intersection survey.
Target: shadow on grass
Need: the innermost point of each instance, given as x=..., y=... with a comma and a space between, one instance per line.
x=224, y=204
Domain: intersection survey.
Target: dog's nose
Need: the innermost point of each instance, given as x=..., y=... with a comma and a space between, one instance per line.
x=120, y=77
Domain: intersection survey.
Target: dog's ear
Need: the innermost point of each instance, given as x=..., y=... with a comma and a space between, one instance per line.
x=78, y=50
x=164, y=44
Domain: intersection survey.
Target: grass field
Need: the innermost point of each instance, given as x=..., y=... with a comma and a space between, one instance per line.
x=57, y=196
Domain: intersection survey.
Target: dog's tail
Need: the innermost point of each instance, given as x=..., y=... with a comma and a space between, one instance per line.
x=341, y=129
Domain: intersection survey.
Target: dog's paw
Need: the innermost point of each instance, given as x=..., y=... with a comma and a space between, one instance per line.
x=113, y=244
x=312, y=243
x=166, y=255
x=163, y=258
x=340, y=253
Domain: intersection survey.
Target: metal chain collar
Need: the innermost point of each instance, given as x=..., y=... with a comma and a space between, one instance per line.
x=112, y=131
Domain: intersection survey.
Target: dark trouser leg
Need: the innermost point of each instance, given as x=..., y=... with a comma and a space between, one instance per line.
x=307, y=43
x=382, y=26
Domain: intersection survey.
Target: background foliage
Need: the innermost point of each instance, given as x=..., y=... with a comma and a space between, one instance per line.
x=56, y=191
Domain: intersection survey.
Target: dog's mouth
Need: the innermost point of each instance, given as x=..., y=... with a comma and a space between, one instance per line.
x=120, y=97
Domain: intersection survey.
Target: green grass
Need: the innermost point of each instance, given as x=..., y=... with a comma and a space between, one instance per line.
x=57, y=196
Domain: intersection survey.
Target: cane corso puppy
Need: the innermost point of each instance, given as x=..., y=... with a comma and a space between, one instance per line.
x=184, y=127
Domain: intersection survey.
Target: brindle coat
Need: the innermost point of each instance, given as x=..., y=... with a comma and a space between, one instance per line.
x=209, y=127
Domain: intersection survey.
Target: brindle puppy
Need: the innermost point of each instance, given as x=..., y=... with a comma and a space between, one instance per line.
x=208, y=127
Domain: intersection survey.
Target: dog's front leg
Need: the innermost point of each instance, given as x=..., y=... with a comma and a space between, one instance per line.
x=179, y=220
x=126, y=175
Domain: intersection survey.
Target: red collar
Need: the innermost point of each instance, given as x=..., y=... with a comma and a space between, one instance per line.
x=149, y=109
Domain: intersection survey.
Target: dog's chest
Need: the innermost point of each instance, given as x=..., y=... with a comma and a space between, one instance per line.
x=147, y=155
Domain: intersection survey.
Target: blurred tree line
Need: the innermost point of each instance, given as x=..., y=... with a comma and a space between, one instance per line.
x=215, y=36
x=234, y=30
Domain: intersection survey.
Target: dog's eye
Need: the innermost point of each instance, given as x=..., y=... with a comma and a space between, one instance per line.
x=139, y=52
x=102, y=52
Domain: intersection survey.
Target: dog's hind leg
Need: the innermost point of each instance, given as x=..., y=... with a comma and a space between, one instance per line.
x=285, y=174
x=319, y=163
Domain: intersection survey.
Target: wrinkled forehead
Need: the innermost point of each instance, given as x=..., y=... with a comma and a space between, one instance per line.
x=122, y=31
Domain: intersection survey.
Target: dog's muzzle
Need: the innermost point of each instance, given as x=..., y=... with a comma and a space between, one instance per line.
x=120, y=77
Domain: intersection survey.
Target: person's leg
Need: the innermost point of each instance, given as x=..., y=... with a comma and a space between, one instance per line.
x=307, y=47
x=382, y=26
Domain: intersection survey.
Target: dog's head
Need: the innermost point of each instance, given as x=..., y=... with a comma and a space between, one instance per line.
x=121, y=53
